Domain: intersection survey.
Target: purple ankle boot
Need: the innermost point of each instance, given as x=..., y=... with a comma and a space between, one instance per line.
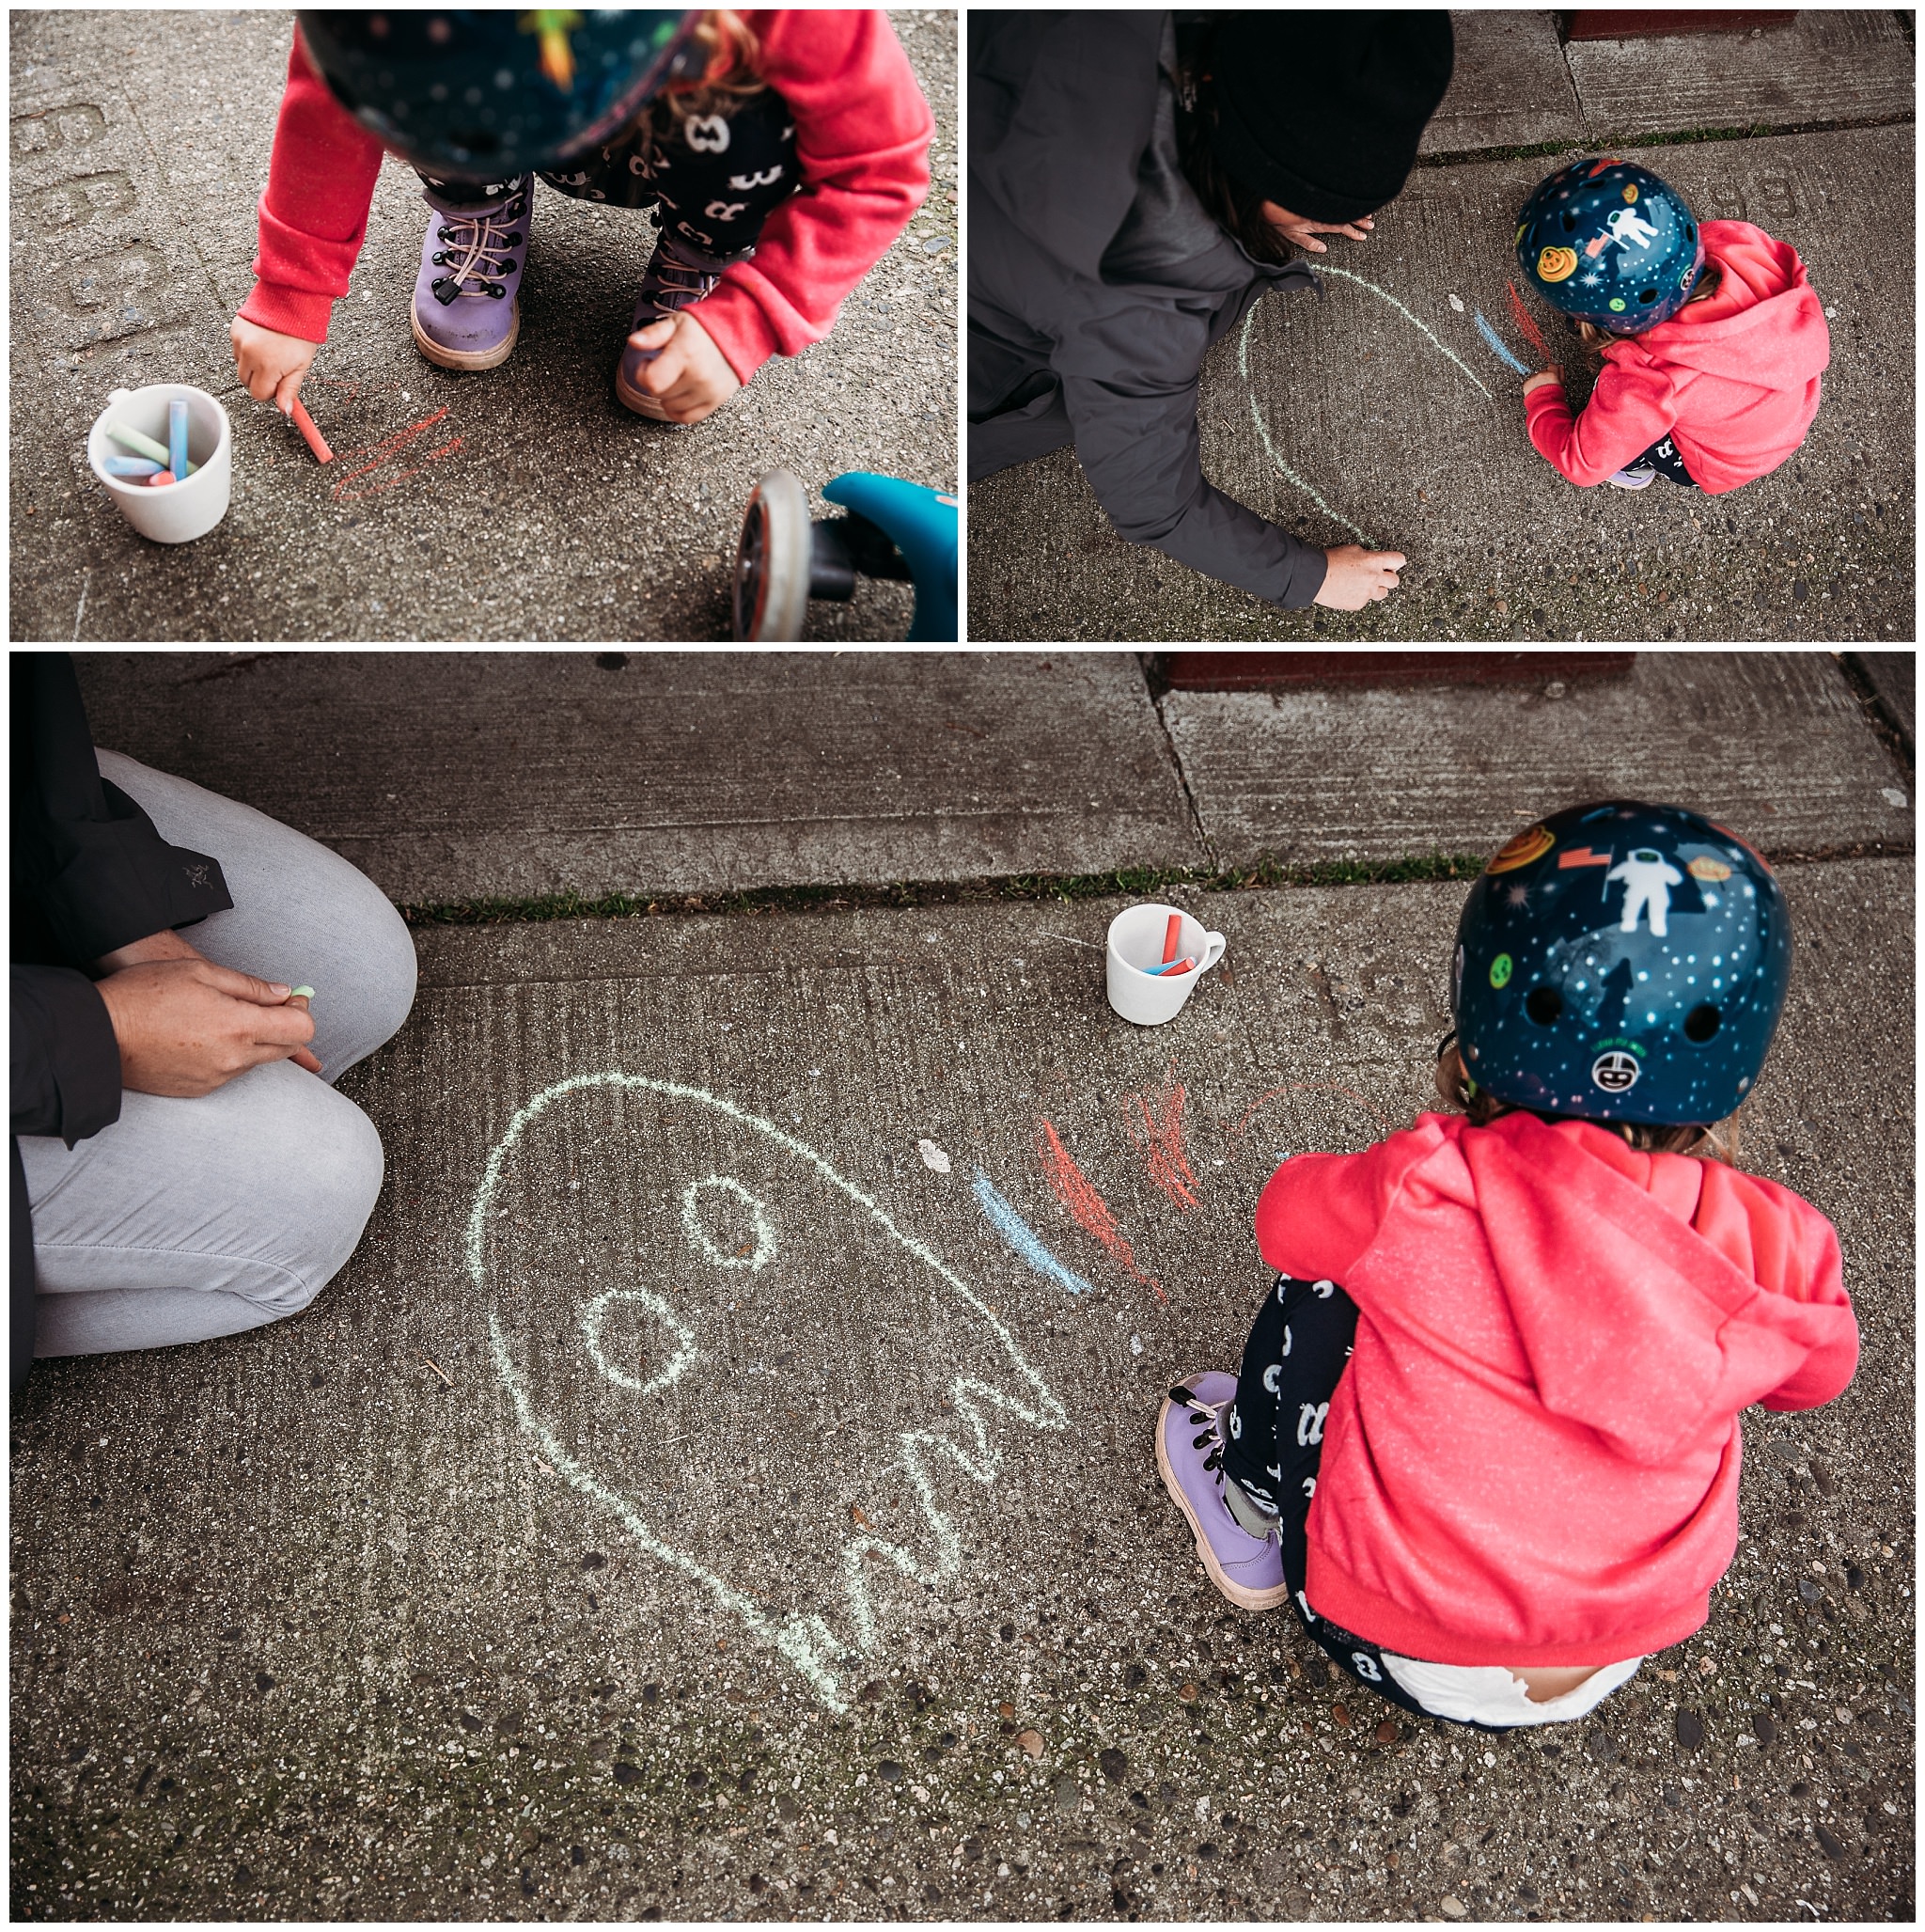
x=678, y=278
x=467, y=309
x=1248, y=1569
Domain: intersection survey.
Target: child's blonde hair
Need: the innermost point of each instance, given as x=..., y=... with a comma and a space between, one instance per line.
x=1594, y=338
x=1456, y=1090
x=730, y=75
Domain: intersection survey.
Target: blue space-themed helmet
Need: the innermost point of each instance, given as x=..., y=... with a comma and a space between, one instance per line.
x=480, y=94
x=1610, y=242
x=1621, y=962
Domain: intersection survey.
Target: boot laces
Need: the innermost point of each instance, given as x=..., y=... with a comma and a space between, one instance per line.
x=1207, y=1417
x=674, y=284
x=478, y=237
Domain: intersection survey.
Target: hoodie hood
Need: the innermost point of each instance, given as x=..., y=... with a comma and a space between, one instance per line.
x=1632, y=1322
x=1763, y=327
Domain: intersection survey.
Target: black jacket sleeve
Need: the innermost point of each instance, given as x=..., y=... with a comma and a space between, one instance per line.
x=1130, y=382
x=87, y=862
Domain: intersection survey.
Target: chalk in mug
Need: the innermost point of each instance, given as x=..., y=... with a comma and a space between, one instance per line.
x=1172, y=934
x=129, y=465
x=177, y=435
x=142, y=446
x=1170, y=968
x=161, y=478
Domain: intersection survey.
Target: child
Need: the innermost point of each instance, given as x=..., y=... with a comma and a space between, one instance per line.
x=1712, y=339
x=1507, y=1347
x=797, y=138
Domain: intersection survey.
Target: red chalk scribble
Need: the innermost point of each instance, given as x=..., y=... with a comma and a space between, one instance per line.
x=445, y=450
x=1155, y=1119
x=1527, y=328
x=1085, y=1205
x=380, y=455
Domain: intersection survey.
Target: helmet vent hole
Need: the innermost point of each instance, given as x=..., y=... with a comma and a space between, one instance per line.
x=1544, y=1004
x=1691, y=232
x=1647, y=294
x=1701, y=1022
x=1569, y=222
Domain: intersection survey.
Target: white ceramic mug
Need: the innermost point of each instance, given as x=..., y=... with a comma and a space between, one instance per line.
x=190, y=507
x=1135, y=946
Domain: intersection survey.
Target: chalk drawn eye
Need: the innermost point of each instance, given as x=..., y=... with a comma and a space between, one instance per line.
x=738, y=1253
x=595, y=1315
x=1544, y=1004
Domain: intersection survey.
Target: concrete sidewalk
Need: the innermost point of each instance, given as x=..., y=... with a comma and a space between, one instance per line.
x=533, y=1572
x=521, y=502
x=1379, y=413
x=510, y=775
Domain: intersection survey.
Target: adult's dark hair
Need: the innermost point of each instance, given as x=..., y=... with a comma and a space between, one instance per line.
x=1321, y=112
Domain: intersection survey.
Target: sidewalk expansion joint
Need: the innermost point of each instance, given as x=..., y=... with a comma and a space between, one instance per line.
x=1756, y=131
x=1018, y=889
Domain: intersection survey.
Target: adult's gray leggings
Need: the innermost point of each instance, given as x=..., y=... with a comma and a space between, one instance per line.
x=190, y=1218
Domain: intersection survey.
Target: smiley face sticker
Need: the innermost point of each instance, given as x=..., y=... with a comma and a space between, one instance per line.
x=1557, y=265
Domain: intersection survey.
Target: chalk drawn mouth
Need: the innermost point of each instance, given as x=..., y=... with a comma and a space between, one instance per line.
x=966, y=1443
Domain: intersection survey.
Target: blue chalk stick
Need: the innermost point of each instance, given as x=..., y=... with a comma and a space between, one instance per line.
x=130, y=466
x=177, y=435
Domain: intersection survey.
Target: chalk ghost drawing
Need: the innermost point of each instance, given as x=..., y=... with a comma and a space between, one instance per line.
x=664, y=1357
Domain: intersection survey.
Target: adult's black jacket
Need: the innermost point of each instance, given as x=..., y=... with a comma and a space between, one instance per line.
x=90, y=874
x=1097, y=283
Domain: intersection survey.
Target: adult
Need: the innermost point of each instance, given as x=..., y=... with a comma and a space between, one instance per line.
x=182, y=1167
x=1135, y=188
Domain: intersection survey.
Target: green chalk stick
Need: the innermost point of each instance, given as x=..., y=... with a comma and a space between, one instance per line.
x=302, y=993
x=143, y=446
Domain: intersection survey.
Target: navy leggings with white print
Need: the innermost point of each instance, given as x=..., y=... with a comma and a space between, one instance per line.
x=1664, y=458
x=1273, y=1447
x=713, y=179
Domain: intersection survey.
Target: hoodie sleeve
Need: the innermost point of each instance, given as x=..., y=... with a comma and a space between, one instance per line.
x=1792, y=1252
x=1631, y=407
x=1319, y=1211
x=314, y=214
x=862, y=136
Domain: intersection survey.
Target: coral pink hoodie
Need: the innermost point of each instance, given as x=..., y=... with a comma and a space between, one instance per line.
x=862, y=133
x=1532, y=1457
x=1731, y=380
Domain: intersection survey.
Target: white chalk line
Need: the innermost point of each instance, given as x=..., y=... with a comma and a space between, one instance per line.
x=1323, y=269
x=1290, y=476
x=698, y=1236
x=808, y=1642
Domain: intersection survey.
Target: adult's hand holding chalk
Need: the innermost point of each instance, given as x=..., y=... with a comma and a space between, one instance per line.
x=186, y=1026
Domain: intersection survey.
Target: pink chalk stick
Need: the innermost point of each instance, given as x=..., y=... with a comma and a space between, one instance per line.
x=316, y=441
x=159, y=477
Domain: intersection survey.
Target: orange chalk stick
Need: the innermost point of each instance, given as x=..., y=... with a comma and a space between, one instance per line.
x=316, y=441
x=1172, y=933
x=159, y=477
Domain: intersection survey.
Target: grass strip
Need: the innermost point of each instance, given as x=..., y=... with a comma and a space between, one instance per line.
x=1035, y=887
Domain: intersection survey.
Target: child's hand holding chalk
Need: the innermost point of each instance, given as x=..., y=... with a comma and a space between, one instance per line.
x=270, y=365
x=1553, y=374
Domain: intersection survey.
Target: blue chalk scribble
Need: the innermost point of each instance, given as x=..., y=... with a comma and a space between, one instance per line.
x=1022, y=1237
x=1496, y=342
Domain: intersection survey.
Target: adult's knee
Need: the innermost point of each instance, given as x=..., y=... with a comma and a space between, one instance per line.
x=316, y=1179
